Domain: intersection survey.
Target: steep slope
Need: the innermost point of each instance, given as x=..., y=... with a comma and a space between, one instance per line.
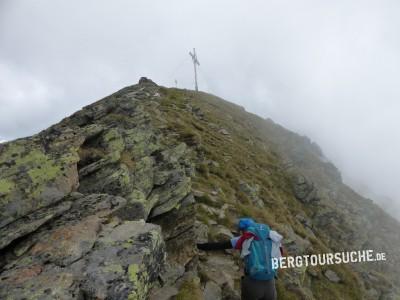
x=74, y=199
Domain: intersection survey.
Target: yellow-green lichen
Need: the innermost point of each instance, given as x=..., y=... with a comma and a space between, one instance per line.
x=122, y=175
x=6, y=186
x=114, y=141
x=140, y=288
x=13, y=149
x=133, y=271
x=42, y=169
x=70, y=157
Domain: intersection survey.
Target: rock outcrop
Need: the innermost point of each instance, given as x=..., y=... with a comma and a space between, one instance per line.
x=72, y=198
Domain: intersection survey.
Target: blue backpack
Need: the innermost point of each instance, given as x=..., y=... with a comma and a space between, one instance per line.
x=258, y=264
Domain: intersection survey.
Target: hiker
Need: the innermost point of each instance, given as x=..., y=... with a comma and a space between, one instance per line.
x=258, y=245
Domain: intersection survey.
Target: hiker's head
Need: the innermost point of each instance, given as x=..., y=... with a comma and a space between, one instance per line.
x=245, y=223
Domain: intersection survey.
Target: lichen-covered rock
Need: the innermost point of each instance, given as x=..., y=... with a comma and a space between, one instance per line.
x=35, y=283
x=180, y=234
x=68, y=243
x=31, y=222
x=90, y=260
x=125, y=262
x=31, y=178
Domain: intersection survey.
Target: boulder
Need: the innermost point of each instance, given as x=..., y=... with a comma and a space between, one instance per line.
x=126, y=261
x=304, y=189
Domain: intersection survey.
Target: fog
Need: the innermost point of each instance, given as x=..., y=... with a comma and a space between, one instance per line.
x=328, y=70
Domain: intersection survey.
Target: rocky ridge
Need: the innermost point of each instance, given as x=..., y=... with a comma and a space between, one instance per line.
x=110, y=202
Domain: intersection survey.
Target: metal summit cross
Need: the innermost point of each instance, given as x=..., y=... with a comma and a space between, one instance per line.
x=195, y=62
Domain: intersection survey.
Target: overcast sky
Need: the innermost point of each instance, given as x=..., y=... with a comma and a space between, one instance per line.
x=326, y=69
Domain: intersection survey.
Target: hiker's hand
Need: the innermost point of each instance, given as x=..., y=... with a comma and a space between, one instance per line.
x=215, y=246
x=204, y=247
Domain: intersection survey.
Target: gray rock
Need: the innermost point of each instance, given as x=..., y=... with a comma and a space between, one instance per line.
x=332, y=276
x=220, y=269
x=33, y=282
x=223, y=131
x=201, y=232
x=212, y=291
x=312, y=272
x=68, y=243
x=171, y=273
x=294, y=243
x=304, y=189
x=125, y=262
x=252, y=191
x=188, y=200
x=198, y=113
x=164, y=293
x=170, y=195
x=31, y=223
x=221, y=233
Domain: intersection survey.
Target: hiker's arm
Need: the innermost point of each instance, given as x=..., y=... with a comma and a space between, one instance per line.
x=283, y=251
x=215, y=246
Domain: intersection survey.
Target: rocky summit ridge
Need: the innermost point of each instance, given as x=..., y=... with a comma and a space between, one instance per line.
x=110, y=203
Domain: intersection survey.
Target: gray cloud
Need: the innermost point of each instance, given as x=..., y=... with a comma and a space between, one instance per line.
x=329, y=70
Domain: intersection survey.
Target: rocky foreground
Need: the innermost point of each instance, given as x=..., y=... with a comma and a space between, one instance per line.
x=110, y=202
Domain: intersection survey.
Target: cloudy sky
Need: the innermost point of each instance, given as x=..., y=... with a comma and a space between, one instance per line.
x=326, y=69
